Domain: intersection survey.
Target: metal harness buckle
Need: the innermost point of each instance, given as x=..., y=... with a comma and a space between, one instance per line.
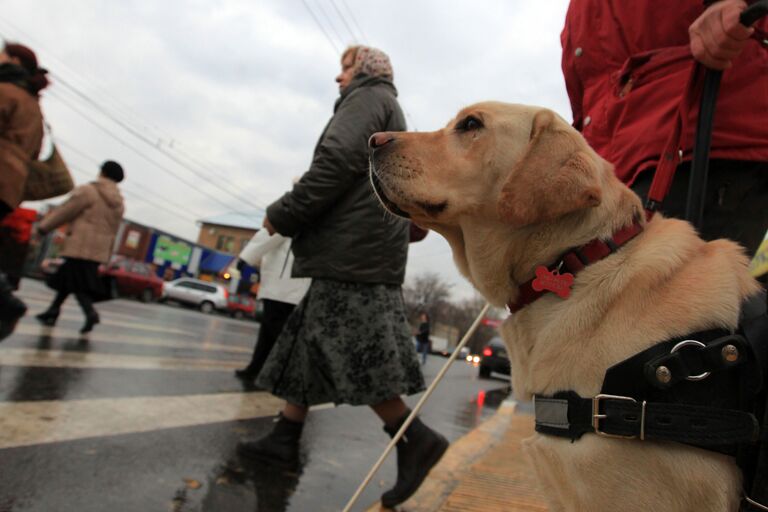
x=596, y=416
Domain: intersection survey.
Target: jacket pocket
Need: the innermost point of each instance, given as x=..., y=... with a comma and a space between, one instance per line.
x=650, y=67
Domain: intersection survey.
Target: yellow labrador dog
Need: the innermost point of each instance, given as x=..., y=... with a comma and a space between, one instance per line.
x=511, y=187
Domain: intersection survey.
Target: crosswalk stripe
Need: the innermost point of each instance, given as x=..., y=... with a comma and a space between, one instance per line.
x=141, y=340
x=26, y=357
x=31, y=423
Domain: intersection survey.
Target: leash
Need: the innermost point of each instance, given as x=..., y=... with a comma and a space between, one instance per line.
x=694, y=210
x=703, y=85
x=416, y=409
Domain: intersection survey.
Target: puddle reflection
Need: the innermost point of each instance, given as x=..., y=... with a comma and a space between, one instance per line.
x=250, y=486
x=42, y=382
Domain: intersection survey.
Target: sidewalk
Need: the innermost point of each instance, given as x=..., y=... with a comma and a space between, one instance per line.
x=483, y=471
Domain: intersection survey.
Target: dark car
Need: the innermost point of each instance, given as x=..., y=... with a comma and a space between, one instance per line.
x=495, y=358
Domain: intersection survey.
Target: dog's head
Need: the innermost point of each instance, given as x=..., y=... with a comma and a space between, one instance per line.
x=500, y=181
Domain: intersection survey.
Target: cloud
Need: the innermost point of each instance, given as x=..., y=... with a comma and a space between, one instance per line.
x=241, y=90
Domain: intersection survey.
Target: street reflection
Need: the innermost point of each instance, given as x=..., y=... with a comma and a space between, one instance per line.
x=44, y=382
x=262, y=487
x=480, y=407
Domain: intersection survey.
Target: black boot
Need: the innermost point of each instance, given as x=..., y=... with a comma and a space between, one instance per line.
x=91, y=319
x=246, y=374
x=11, y=308
x=279, y=448
x=418, y=451
x=48, y=317
x=91, y=316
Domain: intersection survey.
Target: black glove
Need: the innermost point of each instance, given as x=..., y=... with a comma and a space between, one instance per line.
x=240, y=265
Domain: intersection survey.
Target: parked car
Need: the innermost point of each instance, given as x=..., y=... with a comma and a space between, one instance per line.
x=241, y=306
x=131, y=278
x=122, y=277
x=205, y=295
x=494, y=359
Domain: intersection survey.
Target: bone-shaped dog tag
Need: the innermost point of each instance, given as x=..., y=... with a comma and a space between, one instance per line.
x=553, y=281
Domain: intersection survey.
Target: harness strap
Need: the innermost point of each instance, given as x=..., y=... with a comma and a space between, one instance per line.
x=754, y=466
x=569, y=415
x=667, y=364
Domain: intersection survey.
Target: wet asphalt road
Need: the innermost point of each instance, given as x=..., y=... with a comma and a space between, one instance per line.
x=144, y=415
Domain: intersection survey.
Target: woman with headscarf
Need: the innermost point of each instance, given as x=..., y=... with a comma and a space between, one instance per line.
x=348, y=340
x=21, y=134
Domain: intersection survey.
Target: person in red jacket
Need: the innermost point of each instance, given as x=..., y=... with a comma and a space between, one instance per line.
x=626, y=67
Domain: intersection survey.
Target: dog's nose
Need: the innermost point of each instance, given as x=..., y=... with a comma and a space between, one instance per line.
x=380, y=139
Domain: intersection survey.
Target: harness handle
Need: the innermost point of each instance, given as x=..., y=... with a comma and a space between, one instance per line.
x=704, y=82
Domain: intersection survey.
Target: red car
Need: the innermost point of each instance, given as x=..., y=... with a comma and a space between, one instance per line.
x=123, y=277
x=132, y=278
x=241, y=306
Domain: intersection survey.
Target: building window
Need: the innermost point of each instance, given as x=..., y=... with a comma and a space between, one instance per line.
x=225, y=243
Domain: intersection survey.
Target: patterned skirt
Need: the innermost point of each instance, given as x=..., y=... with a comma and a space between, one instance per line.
x=344, y=343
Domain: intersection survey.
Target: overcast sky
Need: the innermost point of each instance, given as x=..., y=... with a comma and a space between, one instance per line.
x=239, y=90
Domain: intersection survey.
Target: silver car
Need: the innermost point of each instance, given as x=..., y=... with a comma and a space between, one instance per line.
x=203, y=294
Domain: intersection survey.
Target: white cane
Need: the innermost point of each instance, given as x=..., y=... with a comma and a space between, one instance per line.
x=416, y=409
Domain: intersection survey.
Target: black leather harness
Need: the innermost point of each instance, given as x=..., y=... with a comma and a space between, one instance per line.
x=706, y=389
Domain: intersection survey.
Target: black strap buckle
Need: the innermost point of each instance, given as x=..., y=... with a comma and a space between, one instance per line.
x=596, y=416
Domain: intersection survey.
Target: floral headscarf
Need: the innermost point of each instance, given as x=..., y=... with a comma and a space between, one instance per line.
x=373, y=62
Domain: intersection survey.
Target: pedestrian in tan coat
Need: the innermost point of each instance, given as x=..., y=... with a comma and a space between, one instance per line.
x=21, y=133
x=93, y=213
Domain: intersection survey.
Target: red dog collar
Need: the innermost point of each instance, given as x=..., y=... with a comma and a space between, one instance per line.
x=550, y=279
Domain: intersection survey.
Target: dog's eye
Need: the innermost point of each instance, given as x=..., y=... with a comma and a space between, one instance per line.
x=469, y=123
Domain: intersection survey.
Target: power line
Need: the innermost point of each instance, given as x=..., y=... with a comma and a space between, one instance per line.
x=133, y=183
x=144, y=127
x=134, y=195
x=149, y=142
x=84, y=80
x=138, y=152
x=317, y=22
x=354, y=20
x=330, y=23
x=344, y=20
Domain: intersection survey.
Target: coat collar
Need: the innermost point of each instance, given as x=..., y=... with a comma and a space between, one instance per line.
x=360, y=81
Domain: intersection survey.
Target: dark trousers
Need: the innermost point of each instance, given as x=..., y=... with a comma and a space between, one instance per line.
x=275, y=315
x=4, y=210
x=85, y=301
x=735, y=205
x=10, y=306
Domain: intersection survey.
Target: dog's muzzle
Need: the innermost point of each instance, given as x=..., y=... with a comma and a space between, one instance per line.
x=378, y=145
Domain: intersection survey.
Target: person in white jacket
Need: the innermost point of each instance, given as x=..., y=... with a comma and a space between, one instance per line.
x=278, y=291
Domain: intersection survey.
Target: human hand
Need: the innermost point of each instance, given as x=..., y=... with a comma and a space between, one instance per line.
x=268, y=226
x=717, y=37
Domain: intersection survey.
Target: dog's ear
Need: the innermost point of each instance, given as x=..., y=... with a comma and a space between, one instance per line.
x=557, y=175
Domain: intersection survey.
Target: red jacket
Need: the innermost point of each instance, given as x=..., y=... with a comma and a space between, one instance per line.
x=626, y=64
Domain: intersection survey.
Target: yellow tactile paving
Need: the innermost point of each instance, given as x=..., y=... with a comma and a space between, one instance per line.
x=502, y=480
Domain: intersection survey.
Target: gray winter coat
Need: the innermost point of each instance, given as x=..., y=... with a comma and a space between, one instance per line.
x=339, y=229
